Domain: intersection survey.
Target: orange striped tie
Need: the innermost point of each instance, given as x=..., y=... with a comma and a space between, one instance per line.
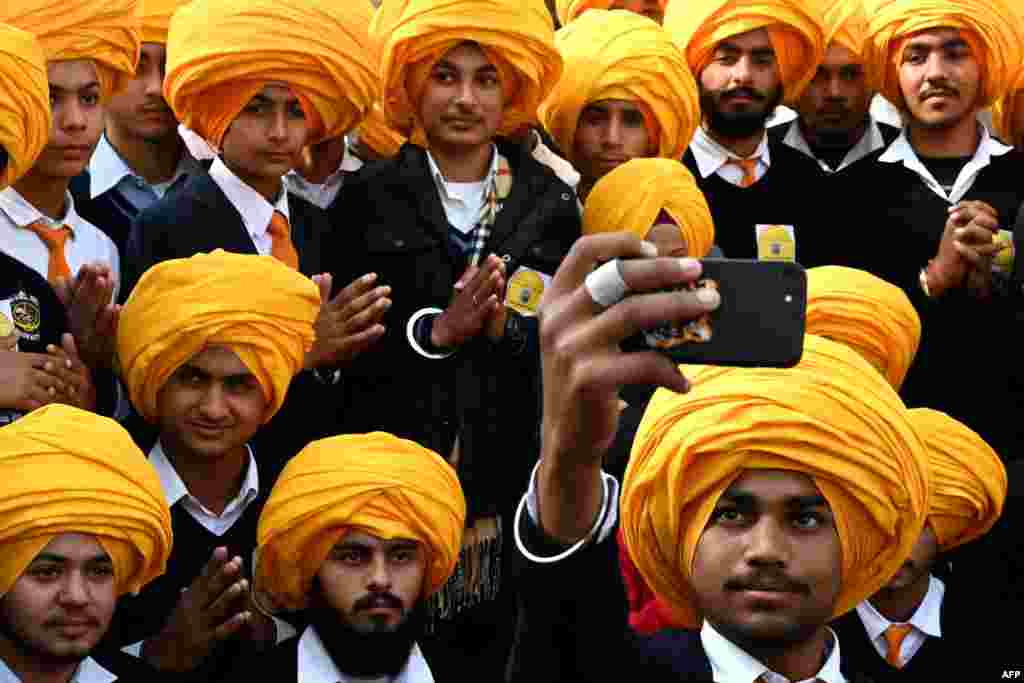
x=281, y=235
x=54, y=239
x=749, y=168
x=894, y=636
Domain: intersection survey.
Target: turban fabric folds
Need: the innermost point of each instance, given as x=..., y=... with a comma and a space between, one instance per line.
x=620, y=55
x=388, y=487
x=25, y=119
x=846, y=24
x=631, y=196
x=1008, y=110
x=220, y=53
x=991, y=28
x=968, y=480
x=867, y=314
x=156, y=19
x=377, y=133
x=516, y=35
x=65, y=470
x=832, y=417
x=105, y=32
x=180, y=307
x=569, y=10
x=795, y=30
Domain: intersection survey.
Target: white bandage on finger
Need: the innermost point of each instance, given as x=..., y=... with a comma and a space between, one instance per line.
x=605, y=285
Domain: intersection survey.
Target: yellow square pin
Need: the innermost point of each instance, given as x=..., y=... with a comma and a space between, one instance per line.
x=524, y=291
x=776, y=243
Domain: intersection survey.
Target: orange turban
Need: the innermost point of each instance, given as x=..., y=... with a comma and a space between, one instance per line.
x=1008, y=110
x=220, y=53
x=68, y=471
x=990, y=27
x=386, y=486
x=832, y=417
x=377, y=133
x=105, y=32
x=631, y=196
x=968, y=480
x=568, y=10
x=623, y=56
x=516, y=35
x=180, y=307
x=795, y=29
x=867, y=314
x=156, y=19
x=24, y=102
x=846, y=24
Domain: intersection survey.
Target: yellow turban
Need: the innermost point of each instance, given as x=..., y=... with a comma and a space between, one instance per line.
x=968, y=480
x=1008, y=110
x=103, y=31
x=568, y=10
x=156, y=19
x=65, y=470
x=867, y=314
x=386, y=486
x=795, y=29
x=990, y=27
x=220, y=53
x=623, y=56
x=832, y=417
x=255, y=305
x=516, y=35
x=377, y=133
x=631, y=196
x=24, y=102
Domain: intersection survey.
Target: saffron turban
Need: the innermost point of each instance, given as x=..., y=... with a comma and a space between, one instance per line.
x=24, y=102
x=968, y=480
x=105, y=32
x=1008, y=116
x=516, y=35
x=255, y=305
x=832, y=417
x=68, y=471
x=156, y=19
x=377, y=133
x=867, y=314
x=568, y=10
x=631, y=196
x=378, y=483
x=846, y=24
x=795, y=30
x=623, y=56
x=991, y=28
x=221, y=53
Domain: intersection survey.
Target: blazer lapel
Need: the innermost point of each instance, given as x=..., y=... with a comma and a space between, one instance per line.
x=224, y=220
x=415, y=172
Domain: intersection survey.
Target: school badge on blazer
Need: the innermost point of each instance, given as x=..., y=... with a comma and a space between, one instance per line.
x=776, y=243
x=524, y=290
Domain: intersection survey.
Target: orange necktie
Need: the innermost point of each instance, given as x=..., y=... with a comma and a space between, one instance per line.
x=749, y=168
x=54, y=239
x=894, y=636
x=282, y=248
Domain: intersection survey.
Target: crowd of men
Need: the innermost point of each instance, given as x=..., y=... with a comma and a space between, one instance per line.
x=315, y=322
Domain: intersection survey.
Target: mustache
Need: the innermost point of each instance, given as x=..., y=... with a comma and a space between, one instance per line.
x=742, y=92
x=768, y=582
x=376, y=601
x=934, y=92
x=64, y=619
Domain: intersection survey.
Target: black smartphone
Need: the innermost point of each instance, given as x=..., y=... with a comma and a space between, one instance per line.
x=760, y=323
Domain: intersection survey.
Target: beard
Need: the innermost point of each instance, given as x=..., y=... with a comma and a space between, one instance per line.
x=366, y=654
x=37, y=651
x=737, y=125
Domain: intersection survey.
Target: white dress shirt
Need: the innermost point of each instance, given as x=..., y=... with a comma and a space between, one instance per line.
x=713, y=158
x=901, y=151
x=108, y=170
x=89, y=671
x=87, y=243
x=255, y=210
x=926, y=622
x=730, y=664
x=315, y=665
x=463, y=201
x=870, y=141
x=322, y=194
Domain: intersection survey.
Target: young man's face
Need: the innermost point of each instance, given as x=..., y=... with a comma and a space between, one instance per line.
x=77, y=119
x=463, y=102
x=918, y=565
x=837, y=101
x=741, y=86
x=940, y=79
x=210, y=405
x=264, y=140
x=61, y=606
x=609, y=133
x=668, y=238
x=140, y=110
x=371, y=583
x=766, y=572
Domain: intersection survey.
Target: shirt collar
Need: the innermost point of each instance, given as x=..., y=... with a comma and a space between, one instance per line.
x=315, y=664
x=21, y=213
x=107, y=168
x=174, y=487
x=89, y=671
x=711, y=155
x=256, y=211
x=730, y=663
x=871, y=141
x=442, y=184
x=927, y=617
x=350, y=163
